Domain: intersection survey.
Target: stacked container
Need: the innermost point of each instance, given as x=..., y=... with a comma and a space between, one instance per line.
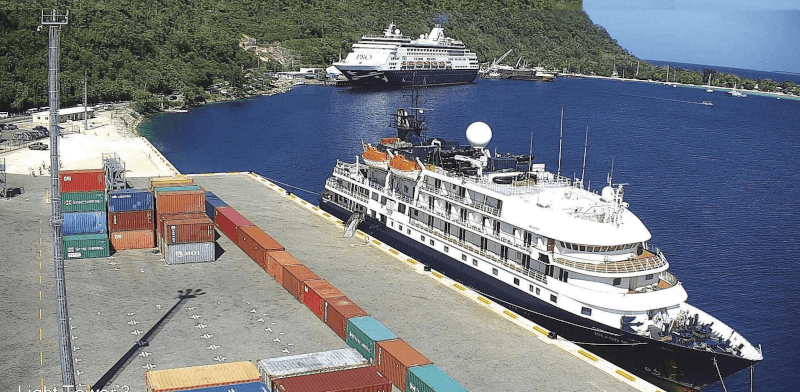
x=187, y=237
x=365, y=379
x=131, y=219
x=273, y=369
x=394, y=358
x=363, y=332
x=83, y=203
x=201, y=376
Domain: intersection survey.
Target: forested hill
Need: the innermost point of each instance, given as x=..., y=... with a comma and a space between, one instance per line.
x=132, y=49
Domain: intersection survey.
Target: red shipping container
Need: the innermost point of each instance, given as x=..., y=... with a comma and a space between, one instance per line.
x=132, y=239
x=337, y=311
x=393, y=358
x=366, y=379
x=181, y=201
x=132, y=220
x=256, y=243
x=276, y=260
x=81, y=180
x=294, y=277
x=315, y=291
x=227, y=220
x=186, y=231
x=176, y=215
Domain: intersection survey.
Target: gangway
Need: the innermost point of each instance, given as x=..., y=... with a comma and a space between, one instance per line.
x=352, y=223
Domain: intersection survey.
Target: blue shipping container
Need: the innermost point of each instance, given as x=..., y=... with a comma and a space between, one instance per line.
x=246, y=387
x=430, y=378
x=176, y=189
x=125, y=200
x=212, y=202
x=88, y=222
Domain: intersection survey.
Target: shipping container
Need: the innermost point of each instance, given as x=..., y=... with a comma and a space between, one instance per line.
x=294, y=277
x=246, y=387
x=176, y=215
x=228, y=220
x=83, y=201
x=394, y=358
x=180, y=188
x=170, y=181
x=85, y=246
x=132, y=239
x=212, y=203
x=256, y=243
x=131, y=220
x=363, y=332
x=315, y=291
x=87, y=222
x=337, y=311
x=81, y=180
x=297, y=365
x=429, y=378
x=184, y=231
x=181, y=201
x=365, y=379
x=197, y=252
x=125, y=200
x=201, y=376
x=276, y=260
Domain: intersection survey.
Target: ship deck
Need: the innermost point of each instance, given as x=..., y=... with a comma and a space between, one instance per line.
x=112, y=298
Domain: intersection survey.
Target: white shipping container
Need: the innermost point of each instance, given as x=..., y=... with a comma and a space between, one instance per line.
x=197, y=252
x=321, y=362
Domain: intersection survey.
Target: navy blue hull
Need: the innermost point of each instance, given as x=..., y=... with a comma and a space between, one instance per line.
x=667, y=365
x=430, y=77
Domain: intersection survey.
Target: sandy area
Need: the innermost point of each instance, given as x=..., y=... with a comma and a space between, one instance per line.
x=111, y=131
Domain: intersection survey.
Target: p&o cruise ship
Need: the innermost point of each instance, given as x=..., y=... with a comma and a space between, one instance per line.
x=569, y=259
x=392, y=58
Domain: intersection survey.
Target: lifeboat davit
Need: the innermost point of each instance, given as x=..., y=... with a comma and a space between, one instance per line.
x=404, y=167
x=376, y=158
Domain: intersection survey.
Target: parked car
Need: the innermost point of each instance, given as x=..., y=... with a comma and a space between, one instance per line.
x=39, y=128
x=11, y=126
x=38, y=146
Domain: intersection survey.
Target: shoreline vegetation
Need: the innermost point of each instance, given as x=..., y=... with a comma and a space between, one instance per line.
x=177, y=55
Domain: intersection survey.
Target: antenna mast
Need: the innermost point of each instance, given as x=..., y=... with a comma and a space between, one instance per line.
x=560, y=140
x=55, y=21
x=585, y=143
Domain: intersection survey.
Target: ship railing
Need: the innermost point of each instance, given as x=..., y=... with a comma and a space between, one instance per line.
x=642, y=263
x=536, y=275
x=669, y=278
x=376, y=185
x=447, y=195
x=402, y=197
x=473, y=204
x=334, y=184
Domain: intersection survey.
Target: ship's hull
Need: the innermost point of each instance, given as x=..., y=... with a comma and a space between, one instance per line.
x=669, y=366
x=372, y=77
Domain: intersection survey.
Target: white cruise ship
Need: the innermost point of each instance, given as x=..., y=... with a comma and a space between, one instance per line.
x=392, y=59
x=574, y=261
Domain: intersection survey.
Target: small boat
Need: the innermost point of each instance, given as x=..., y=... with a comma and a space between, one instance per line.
x=707, y=103
x=404, y=167
x=375, y=158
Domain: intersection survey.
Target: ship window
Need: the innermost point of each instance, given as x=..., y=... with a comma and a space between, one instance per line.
x=530, y=287
x=562, y=244
x=408, y=231
x=538, y=291
x=446, y=249
x=416, y=213
x=402, y=208
x=464, y=257
x=553, y=298
x=422, y=238
x=604, y=249
x=399, y=227
x=617, y=281
x=516, y=281
x=648, y=277
x=431, y=242
x=475, y=262
x=494, y=271
x=583, y=248
x=586, y=311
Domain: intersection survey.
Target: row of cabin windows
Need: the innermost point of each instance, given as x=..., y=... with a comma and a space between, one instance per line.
x=590, y=248
x=618, y=281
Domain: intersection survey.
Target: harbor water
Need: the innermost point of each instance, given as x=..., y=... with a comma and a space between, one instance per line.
x=716, y=185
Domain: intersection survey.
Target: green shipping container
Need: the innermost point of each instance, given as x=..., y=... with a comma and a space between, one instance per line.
x=363, y=332
x=83, y=201
x=430, y=378
x=86, y=246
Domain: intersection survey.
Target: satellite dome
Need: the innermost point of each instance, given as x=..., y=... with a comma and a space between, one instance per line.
x=607, y=194
x=479, y=134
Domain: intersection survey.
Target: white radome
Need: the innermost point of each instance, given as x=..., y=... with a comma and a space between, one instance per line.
x=479, y=134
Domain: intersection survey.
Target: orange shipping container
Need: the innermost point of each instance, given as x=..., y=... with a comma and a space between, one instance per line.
x=256, y=243
x=201, y=376
x=393, y=358
x=276, y=261
x=132, y=239
x=181, y=201
x=293, y=278
x=176, y=215
x=131, y=220
x=337, y=311
x=185, y=231
x=315, y=291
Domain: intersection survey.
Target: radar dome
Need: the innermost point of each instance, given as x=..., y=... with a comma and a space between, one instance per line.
x=607, y=194
x=479, y=134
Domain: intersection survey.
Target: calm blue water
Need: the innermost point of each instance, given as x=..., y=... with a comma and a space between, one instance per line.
x=718, y=187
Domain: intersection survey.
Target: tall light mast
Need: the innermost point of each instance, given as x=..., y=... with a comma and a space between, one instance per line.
x=54, y=21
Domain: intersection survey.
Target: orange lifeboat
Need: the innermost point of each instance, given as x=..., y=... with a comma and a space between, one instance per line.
x=388, y=141
x=404, y=167
x=376, y=158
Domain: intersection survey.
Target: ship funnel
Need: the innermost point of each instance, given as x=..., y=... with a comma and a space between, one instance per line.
x=479, y=134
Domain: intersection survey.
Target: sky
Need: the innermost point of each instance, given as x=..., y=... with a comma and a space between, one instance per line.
x=761, y=35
